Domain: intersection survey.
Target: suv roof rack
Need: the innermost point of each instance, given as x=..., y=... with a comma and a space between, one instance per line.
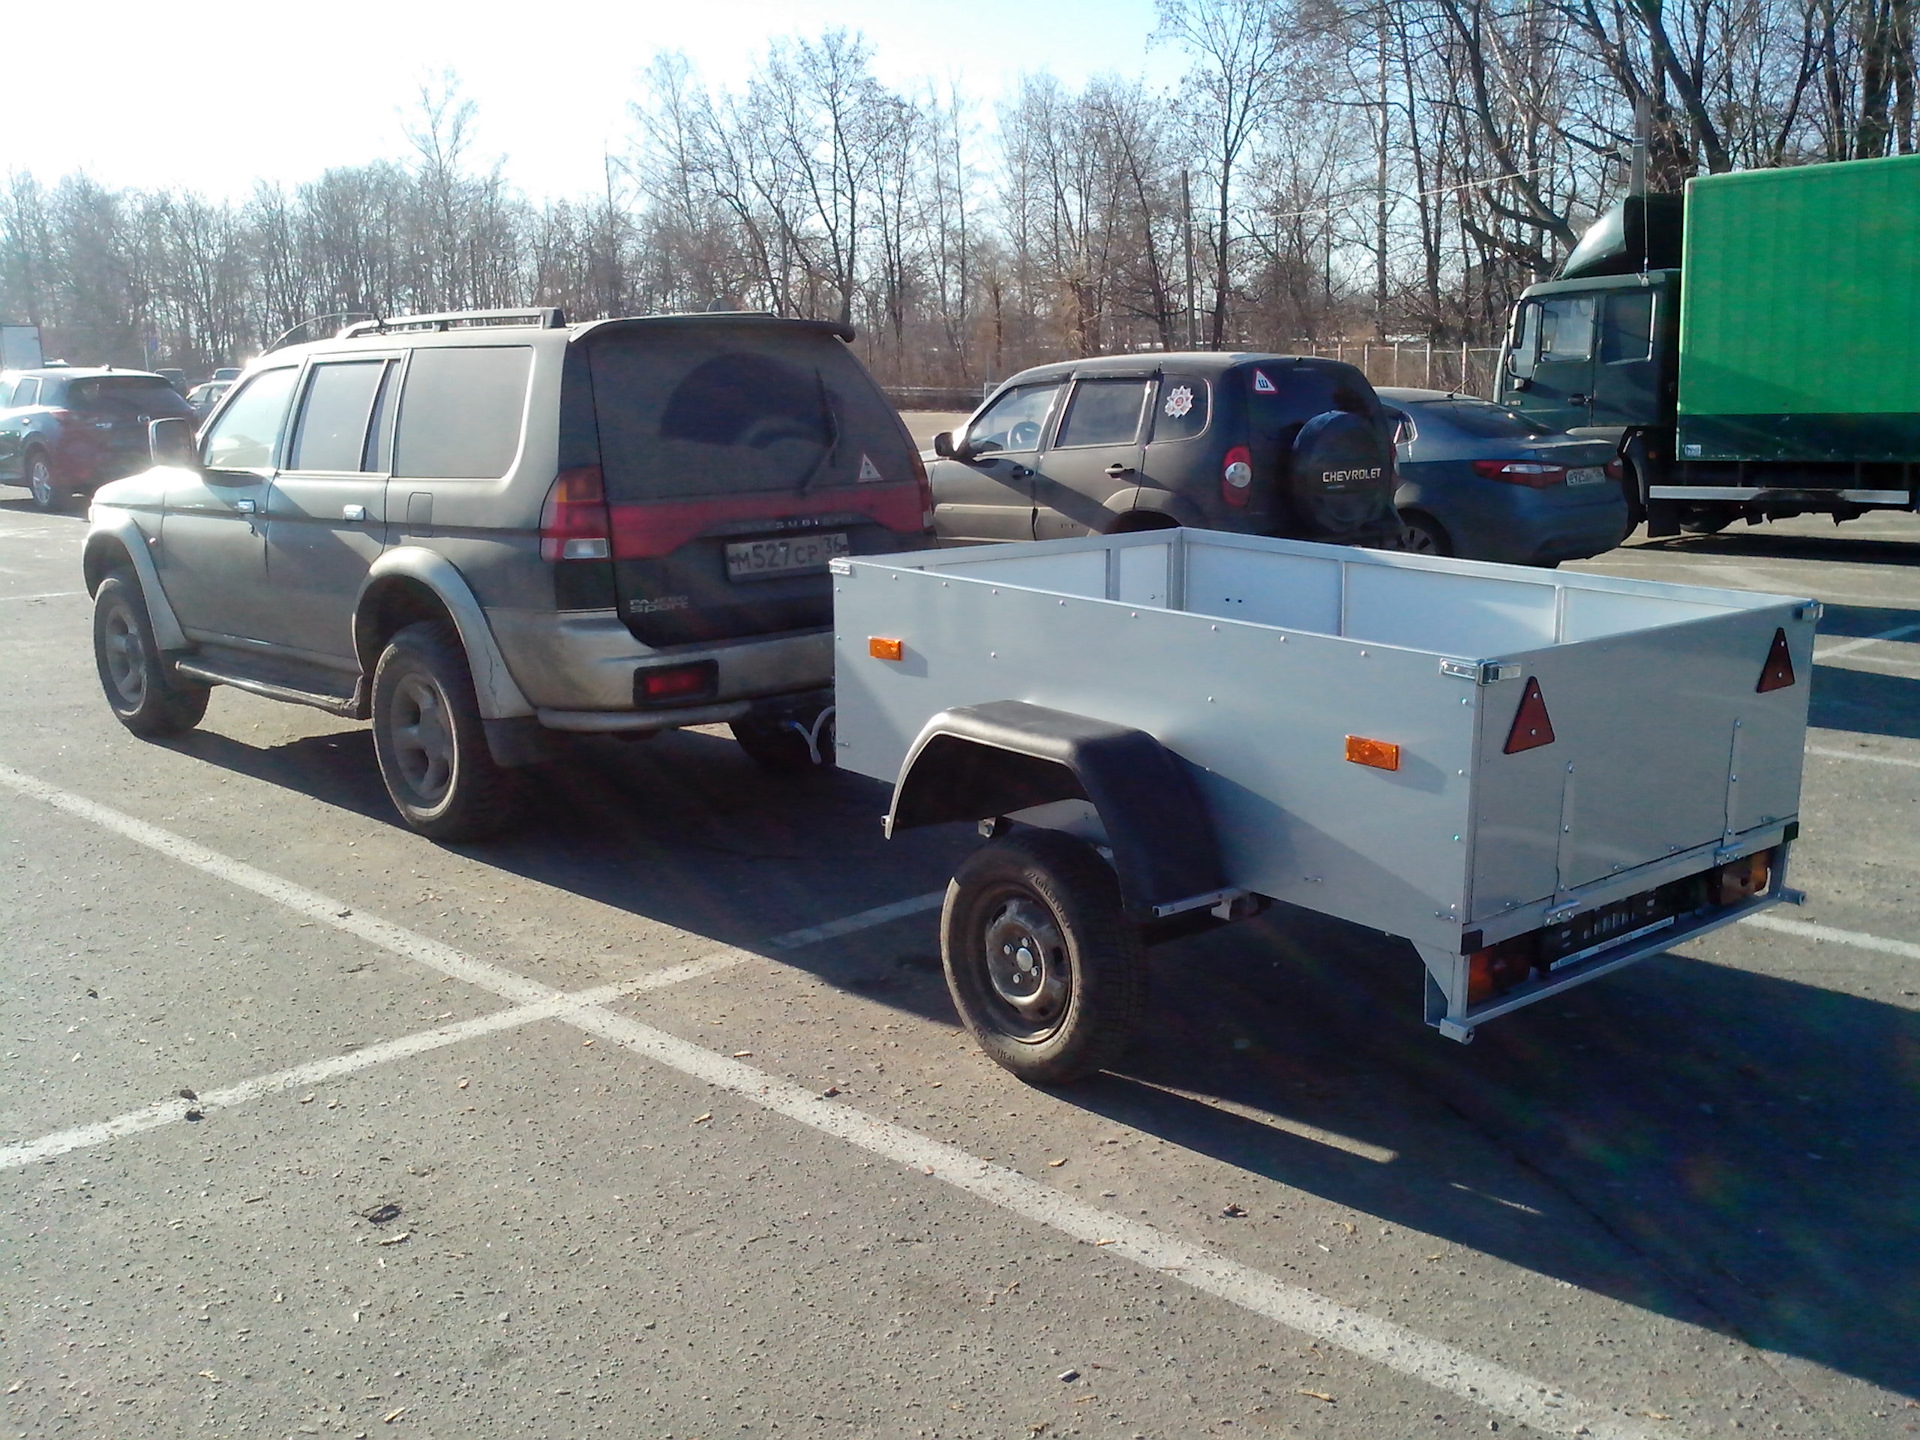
x=541, y=317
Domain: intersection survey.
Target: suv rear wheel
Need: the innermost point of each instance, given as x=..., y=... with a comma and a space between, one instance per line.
x=142, y=689
x=429, y=740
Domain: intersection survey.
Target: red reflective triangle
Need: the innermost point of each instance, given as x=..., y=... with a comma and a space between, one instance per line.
x=1531, y=726
x=1777, y=674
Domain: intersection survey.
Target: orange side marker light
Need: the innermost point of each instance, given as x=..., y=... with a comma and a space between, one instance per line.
x=1777, y=674
x=881, y=648
x=1380, y=754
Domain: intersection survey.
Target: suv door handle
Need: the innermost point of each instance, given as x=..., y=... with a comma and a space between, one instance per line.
x=1578, y=399
x=245, y=507
x=1116, y=470
x=1020, y=472
x=353, y=512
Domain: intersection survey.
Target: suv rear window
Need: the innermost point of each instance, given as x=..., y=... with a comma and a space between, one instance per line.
x=738, y=410
x=126, y=395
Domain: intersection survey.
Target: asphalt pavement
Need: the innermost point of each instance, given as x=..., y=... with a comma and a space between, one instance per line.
x=654, y=1119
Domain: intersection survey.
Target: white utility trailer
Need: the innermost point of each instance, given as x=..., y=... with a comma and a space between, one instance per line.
x=1534, y=777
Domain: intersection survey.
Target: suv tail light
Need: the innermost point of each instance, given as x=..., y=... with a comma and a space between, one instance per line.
x=1236, y=476
x=574, y=524
x=1530, y=473
x=925, y=489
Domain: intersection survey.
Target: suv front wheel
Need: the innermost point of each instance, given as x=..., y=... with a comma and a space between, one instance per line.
x=429, y=740
x=146, y=695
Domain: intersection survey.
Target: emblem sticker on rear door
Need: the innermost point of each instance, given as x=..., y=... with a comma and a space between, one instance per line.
x=869, y=472
x=1262, y=383
x=1180, y=401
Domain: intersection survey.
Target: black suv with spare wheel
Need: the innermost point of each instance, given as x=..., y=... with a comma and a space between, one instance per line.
x=1255, y=443
x=477, y=529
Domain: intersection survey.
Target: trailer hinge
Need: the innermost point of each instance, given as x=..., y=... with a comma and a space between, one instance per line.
x=1480, y=672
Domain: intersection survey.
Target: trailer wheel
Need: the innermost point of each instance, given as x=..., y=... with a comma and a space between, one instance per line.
x=1044, y=967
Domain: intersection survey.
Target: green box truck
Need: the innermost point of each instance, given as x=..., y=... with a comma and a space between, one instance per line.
x=1753, y=348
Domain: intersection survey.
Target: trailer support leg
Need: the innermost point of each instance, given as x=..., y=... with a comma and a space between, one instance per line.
x=1446, y=991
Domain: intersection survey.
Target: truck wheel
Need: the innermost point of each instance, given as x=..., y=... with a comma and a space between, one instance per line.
x=1042, y=963
x=777, y=746
x=429, y=740
x=46, y=495
x=142, y=689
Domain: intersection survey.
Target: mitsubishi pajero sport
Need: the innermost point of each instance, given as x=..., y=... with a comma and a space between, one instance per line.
x=475, y=529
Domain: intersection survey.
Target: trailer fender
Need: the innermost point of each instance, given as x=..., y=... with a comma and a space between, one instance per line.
x=982, y=762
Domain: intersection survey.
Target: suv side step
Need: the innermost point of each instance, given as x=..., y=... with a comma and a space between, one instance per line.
x=279, y=681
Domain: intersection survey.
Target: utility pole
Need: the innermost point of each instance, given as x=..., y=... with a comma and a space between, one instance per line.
x=1186, y=230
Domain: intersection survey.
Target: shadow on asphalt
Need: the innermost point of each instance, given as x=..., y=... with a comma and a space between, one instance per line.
x=1763, y=543
x=1669, y=1115
x=1869, y=702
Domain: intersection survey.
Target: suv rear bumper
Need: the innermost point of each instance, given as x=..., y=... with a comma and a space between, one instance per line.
x=577, y=668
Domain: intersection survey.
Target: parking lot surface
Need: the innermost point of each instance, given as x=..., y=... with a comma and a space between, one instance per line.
x=655, y=1119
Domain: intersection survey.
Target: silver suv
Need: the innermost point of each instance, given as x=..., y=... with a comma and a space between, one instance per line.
x=476, y=529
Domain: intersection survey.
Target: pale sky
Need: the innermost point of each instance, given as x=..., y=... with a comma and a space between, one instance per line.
x=213, y=95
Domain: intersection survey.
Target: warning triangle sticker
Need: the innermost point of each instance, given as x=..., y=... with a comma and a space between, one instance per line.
x=1262, y=384
x=1531, y=726
x=1777, y=674
x=868, y=472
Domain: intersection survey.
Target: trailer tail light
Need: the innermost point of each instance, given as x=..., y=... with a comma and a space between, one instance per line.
x=1742, y=879
x=1236, y=476
x=1532, y=726
x=1499, y=968
x=881, y=648
x=574, y=523
x=1380, y=754
x=676, y=684
x=1530, y=473
x=1777, y=673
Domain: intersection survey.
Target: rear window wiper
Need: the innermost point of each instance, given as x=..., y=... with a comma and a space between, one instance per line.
x=829, y=451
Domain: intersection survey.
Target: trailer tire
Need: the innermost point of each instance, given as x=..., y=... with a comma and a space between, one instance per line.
x=1044, y=967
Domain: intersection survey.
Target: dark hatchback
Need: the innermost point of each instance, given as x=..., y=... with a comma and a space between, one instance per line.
x=1483, y=482
x=66, y=432
x=1256, y=443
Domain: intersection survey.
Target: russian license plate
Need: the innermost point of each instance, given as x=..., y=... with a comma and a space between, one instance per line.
x=769, y=559
x=1608, y=925
x=1586, y=475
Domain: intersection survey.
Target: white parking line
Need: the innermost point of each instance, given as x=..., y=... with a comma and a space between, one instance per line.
x=1899, y=632
x=45, y=595
x=1857, y=755
x=1809, y=931
x=166, y=1112
x=1457, y=1372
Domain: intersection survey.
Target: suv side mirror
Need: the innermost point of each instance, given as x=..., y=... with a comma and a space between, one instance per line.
x=170, y=443
x=943, y=445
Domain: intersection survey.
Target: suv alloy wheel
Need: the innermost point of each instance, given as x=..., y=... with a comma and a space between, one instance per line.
x=429, y=740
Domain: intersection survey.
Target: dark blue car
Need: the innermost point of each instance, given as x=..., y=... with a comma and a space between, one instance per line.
x=65, y=431
x=1482, y=482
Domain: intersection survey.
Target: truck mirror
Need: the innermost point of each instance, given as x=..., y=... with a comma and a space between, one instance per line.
x=170, y=443
x=943, y=445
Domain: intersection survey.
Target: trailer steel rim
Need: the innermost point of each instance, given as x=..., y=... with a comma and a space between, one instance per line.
x=1026, y=956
